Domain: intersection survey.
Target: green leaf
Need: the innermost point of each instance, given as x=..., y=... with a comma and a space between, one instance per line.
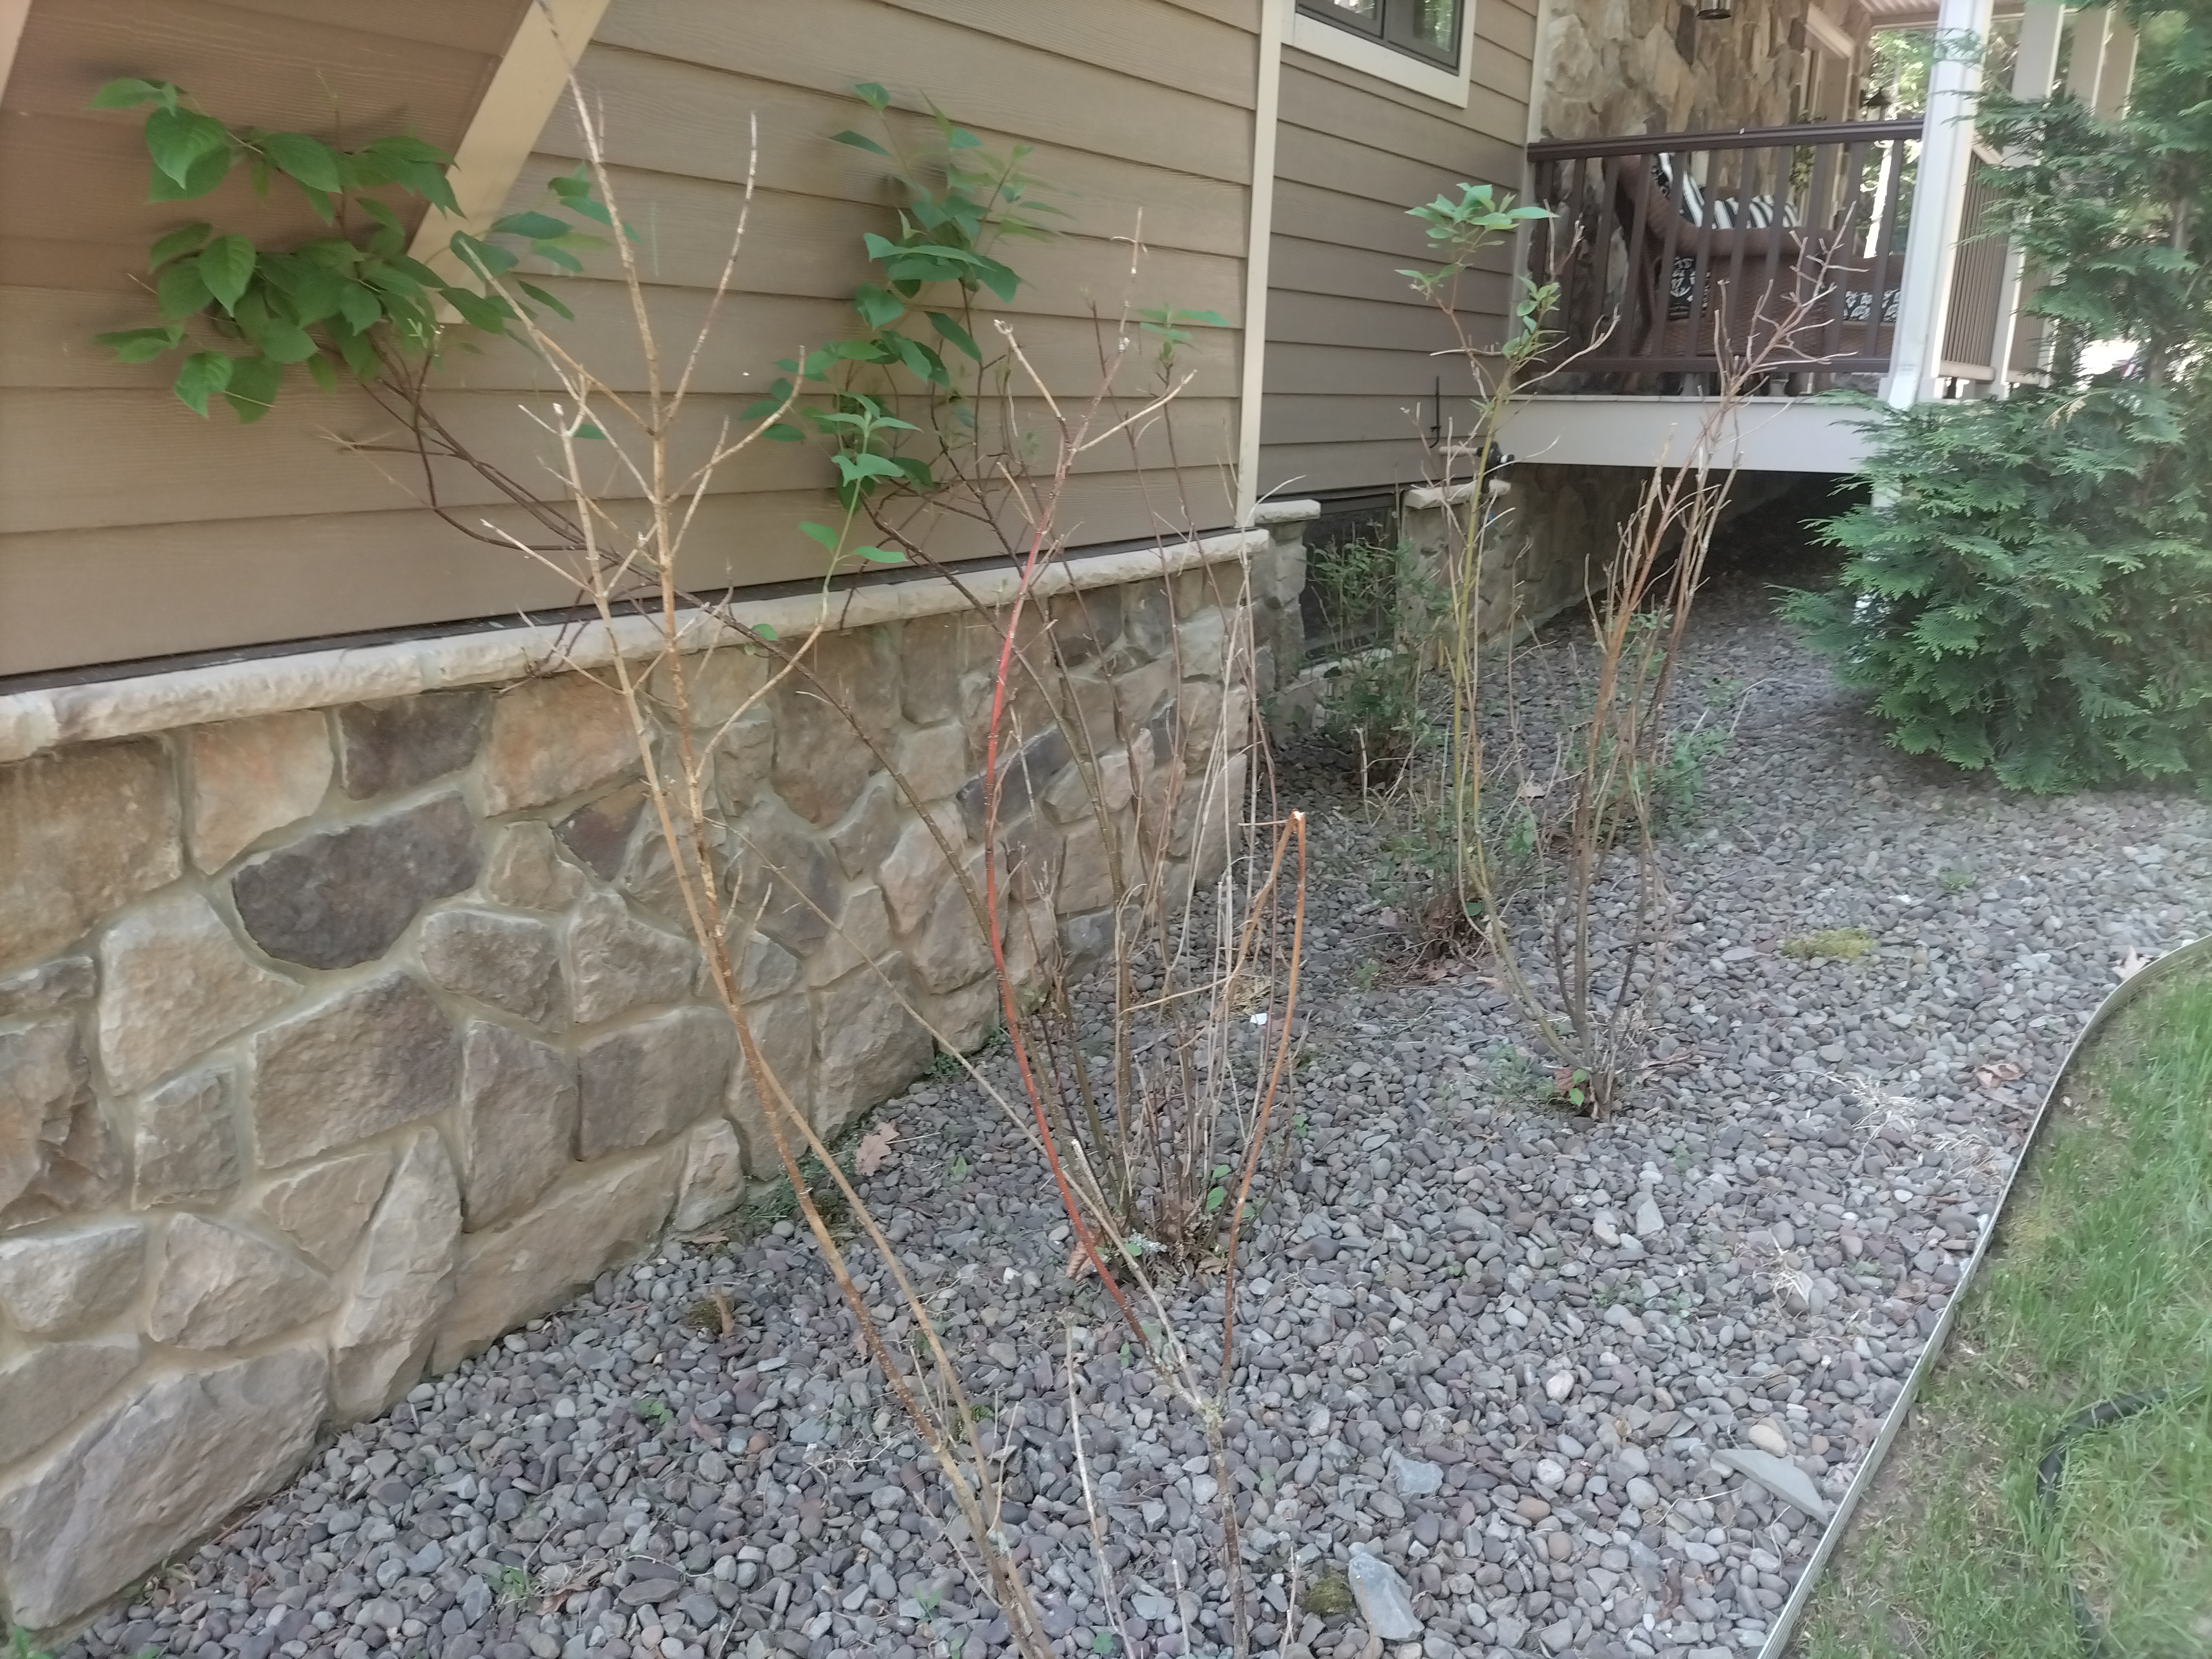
x=820, y=533
x=309, y=160
x=854, y=465
x=360, y=306
x=477, y=311
x=253, y=387
x=949, y=330
x=587, y=429
x=880, y=555
x=532, y=227
x=176, y=137
x=873, y=95
x=181, y=291
x=225, y=266
x=202, y=176
x=131, y=93
x=283, y=341
x=961, y=138
x=859, y=141
x=203, y=374
x=1215, y=1198
x=176, y=243
x=320, y=372
x=482, y=257
x=139, y=345
x=546, y=299
x=875, y=306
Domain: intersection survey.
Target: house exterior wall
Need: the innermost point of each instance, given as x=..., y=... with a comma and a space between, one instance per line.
x=1352, y=375
x=336, y=1040
x=215, y=535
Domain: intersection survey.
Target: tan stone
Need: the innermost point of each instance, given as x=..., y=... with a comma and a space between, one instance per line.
x=617, y=962
x=57, y=1153
x=1202, y=645
x=934, y=761
x=44, y=1391
x=526, y=871
x=399, y=1284
x=870, y=1045
x=863, y=934
x=81, y=833
x=965, y=1017
x=507, y=962
x=223, y=1288
x=646, y=1081
x=914, y=872
x=516, y=1123
x=376, y=1056
x=866, y=833
x=149, y=1476
x=722, y=684
x=585, y=1225
x=714, y=1181
x=174, y=982
x=1087, y=880
x=744, y=756
x=784, y=1029
x=324, y=1207
x=187, y=1147
x=252, y=776
x=950, y=947
x=57, y=1284
x=552, y=739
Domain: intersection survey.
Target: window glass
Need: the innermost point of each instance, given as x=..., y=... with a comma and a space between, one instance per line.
x=1434, y=27
x=1420, y=29
x=1365, y=17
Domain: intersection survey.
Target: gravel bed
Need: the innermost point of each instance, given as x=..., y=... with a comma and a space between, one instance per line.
x=1493, y=1344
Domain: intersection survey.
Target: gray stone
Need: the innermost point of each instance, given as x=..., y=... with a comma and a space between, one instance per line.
x=81, y=833
x=148, y=1476
x=57, y=1284
x=786, y=877
x=1025, y=777
x=397, y=744
x=1779, y=1476
x=517, y=1272
x=934, y=761
x=744, y=755
x=342, y=896
x=552, y=739
x=1386, y=1606
x=617, y=962
x=951, y=948
x=175, y=983
x=43, y=990
x=821, y=760
x=186, y=1146
x=644, y=1082
x=369, y=1060
x=598, y=832
x=1416, y=1477
x=399, y=1284
x=1648, y=1222
x=866, y=834
x=764, y=967
x=915, y=871
x=45, y=1390
x=56, y=1151
x=507, y=962
x=871, y=1046
x=250, y=776
x=516, y=1123
x=714, y=1180
x=526, y=871
x=323, y=1208
x=223, y=1288
x=863, y=934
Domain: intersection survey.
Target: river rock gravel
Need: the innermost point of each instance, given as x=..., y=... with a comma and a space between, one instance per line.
x=1492, y=1344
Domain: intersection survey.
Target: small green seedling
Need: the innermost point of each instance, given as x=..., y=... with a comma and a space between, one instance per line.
x=650, y=1410
x=1571, y=1084
x=1954, y=879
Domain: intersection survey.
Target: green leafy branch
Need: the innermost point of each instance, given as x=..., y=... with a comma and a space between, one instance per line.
x=346, y=304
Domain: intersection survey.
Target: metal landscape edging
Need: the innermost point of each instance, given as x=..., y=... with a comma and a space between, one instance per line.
x=1785, y=1622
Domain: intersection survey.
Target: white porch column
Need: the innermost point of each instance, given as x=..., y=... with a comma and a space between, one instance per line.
x=2035, y=70
x=2092, y=24
x=1939, y=194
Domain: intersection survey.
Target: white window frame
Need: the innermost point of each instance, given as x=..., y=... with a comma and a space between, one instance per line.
x=1340, y=45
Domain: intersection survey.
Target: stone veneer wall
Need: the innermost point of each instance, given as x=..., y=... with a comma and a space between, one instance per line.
x=1619, y=66
x=337, y=1040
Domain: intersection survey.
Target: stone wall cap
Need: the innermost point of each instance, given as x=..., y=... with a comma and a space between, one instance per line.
x=1428, y=497
x=1269, y=513
x=32, y=722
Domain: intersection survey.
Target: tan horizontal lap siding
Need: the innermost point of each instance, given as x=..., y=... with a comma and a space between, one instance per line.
x=223, y=536
x=1355, y=359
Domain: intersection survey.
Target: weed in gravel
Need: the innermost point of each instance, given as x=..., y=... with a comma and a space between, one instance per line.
x=1953, y=879
x=1329, y=1595
x=1843, y=944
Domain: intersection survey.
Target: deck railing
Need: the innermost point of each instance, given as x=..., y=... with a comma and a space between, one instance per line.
x=1676, y=252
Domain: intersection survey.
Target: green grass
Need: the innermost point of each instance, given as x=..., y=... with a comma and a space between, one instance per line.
x=1845, y=944
x=2101, y=1286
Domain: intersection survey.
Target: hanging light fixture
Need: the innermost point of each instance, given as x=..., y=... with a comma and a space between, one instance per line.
x=1715, y=11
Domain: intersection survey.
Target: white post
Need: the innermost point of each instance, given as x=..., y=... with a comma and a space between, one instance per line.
x=1939, y=198
x=1259, y=230
x=2092, y=24
x=2035, y=70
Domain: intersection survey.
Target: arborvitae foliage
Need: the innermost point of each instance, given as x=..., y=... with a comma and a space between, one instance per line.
x=2029, y=588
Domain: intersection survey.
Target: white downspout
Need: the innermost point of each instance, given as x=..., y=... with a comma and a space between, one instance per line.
x=1939, y=196
x=2035, y=70
x=1259, y=229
